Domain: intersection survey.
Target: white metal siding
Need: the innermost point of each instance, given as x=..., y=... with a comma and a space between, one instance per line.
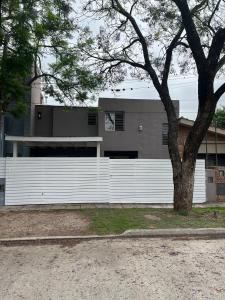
x=85, y=180
x=149, y=181
x=2, y=167
x=56, y=180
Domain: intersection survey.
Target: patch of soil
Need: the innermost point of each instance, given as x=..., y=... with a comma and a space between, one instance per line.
x=42, y=223
x=216, y=215
x=152, y=217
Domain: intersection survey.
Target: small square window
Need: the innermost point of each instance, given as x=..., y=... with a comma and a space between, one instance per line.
x=210, y=179
x=114, y=121
x=221, y=173
x=165, y=133
x=92, y=119
x=220, y=189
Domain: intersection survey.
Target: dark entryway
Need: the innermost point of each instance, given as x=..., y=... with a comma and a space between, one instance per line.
x=63, y=152
x=2, y=191
x=121, y=154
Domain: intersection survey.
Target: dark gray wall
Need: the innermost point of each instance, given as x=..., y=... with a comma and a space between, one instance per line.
x=43, y=126
x=73, y=122
x=148, y=113
x=56, y=121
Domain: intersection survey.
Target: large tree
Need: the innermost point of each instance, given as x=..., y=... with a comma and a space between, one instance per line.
x=153, y=39
x=35, y=42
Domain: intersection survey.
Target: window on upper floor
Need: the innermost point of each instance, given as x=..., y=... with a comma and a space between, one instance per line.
x=114, y=121
x=165, y=133
x=92, y=119
x=221, y=173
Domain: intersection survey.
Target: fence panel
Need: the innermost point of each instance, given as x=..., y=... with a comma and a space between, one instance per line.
x=149, y=181
x=93, y=180
x=56, y=180
x=2, y=167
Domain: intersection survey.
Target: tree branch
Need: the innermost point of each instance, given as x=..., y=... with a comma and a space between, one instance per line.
x=220, y=91
x=216, y=48
x=169, y=53
x=192, y=34
x=30, y=81
x=221, y=63
x=118, y=7
x=212, y=15
x=114, y=59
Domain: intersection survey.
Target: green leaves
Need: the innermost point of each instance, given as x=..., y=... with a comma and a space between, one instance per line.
x=219, y=118
x=35, y=41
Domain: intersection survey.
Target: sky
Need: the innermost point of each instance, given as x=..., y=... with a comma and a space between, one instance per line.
x=182, y=88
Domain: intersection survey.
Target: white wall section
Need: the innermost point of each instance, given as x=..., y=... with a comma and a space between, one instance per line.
x=2, y=167
x=93, y=180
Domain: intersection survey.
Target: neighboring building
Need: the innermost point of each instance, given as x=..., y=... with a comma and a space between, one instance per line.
x=130, y=128
x=212, y=148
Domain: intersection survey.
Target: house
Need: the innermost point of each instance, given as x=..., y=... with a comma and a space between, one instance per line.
x=212, y=150
x=117, y=128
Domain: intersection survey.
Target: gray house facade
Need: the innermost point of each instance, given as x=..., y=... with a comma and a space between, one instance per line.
x=130, y=128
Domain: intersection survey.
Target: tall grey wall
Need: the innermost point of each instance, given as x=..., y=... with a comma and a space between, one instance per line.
x=150, y=114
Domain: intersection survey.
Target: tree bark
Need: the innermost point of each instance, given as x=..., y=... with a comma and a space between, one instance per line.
x=183, y=179
x=184, y=167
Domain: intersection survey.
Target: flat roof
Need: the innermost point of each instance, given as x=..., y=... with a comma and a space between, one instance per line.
x=43, y=139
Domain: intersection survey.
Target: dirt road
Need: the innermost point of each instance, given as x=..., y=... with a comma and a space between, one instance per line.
x=119, y=269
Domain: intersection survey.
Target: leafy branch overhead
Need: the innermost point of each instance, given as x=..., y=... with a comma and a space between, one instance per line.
x=33, y=33
x=152, y=40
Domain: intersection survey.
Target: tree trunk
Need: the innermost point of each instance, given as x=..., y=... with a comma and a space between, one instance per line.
x=183, y=186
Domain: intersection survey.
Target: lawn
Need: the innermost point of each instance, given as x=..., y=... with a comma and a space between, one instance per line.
x=63, y=222
x=115, y=221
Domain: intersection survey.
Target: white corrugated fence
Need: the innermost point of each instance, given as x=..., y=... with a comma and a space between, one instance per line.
x=92, y=180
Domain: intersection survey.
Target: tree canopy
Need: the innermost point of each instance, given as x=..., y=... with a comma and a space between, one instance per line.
x=35, y=40
x=219, y=118
x=152, y=40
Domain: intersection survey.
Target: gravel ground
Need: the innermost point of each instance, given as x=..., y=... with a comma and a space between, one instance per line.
x=115, y=269
x=42, y=223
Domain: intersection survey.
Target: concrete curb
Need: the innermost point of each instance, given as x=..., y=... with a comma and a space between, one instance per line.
x=211, y=233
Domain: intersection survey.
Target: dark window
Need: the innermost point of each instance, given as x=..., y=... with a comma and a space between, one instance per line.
x=2, y=188
x=165, y=133
x=92, y=119
x=119, y=121
x=210, y=179
x=121, y=154
x=114, y=121
x=39, y=115
x=221, y=173
x=220, y=189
